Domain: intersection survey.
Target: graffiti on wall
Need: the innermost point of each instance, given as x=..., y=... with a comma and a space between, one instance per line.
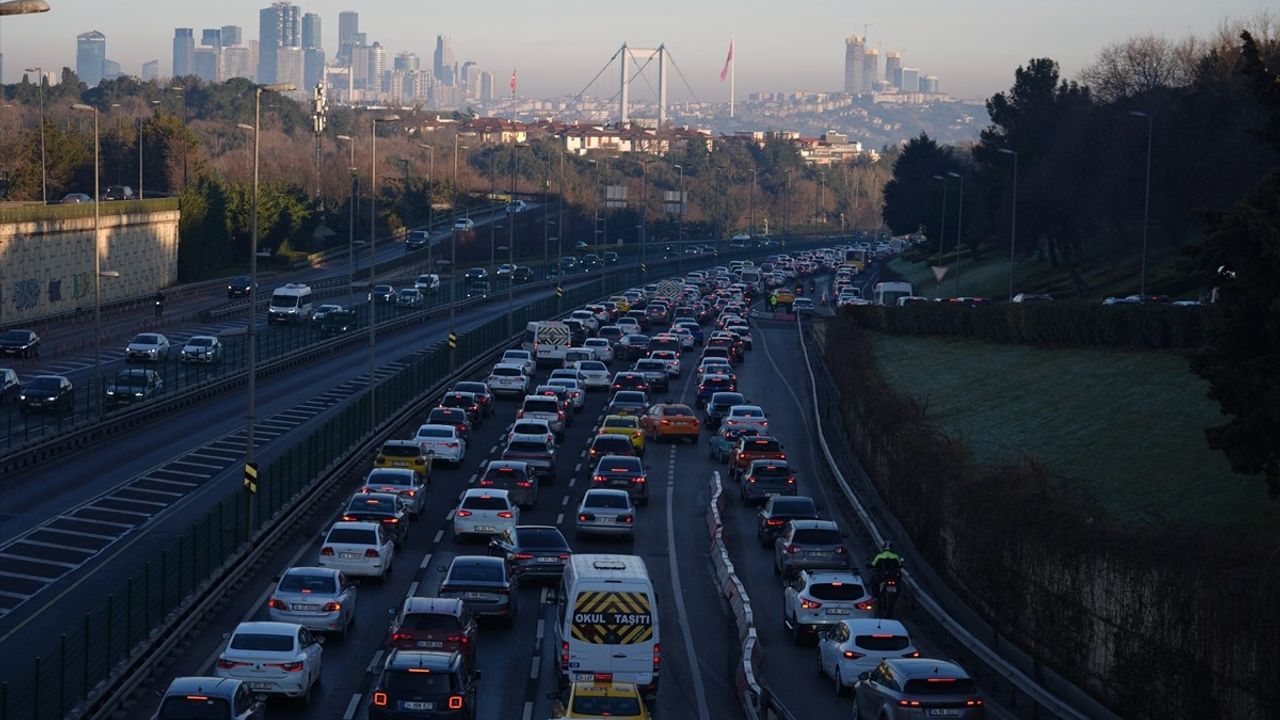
x=26, y=294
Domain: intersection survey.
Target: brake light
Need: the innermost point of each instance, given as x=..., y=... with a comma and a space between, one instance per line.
x=524, y=556
x=851, y=655
x=912, y=654
x=288, y=666
x=391, y=521
x=625, y=518
x=326, y=551
x=908, y=703
x=401, y=636
x=597, y=478
x=506, y=515
x=564, y=556
x=380, y=699
x=865, y=605
x=460, y=639
x=586, y=517
x=976, y=702
x=524, y=484
x=792, y=549
x=561, y=414
x=657, y=656
x=638, y=480
x=276, y=604
x=198, y=697
x=349, y=518
x=370, y=553
x=485, y=482
x=564, y=655
x=451, y=445
x=519, y=414
x=455, y=702
x=464, y=513
x=810, y=604
x=774, y=522
x=230, y=664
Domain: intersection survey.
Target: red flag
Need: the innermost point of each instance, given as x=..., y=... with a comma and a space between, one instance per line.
x=513, y=82
x=727, y=62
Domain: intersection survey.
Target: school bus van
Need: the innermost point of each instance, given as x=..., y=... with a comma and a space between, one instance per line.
x=607, y=622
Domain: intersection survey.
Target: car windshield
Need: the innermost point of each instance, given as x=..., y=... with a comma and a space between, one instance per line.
x=44, y=383
x=728, y=399
x=17, y=335
x=286, y=301
x=505, y=474
x=390, y=476
x=611, y=443
x=606, y=500
x=132, y=379
x=418, y=683
x=835, y=591
x=506, y=371
x=940, y=686
x=372, y=503
x=770, y=471
x=654, y=365
x=816, y=536
x=147, y=340
x=629, y=396
x=478, y=388
x=475, y=571
x=484, y=502
x=447, y=415
x=306, y=583
x=747, y=412
x=194, y=707
x=200, y=342
x=262, y=641
x=620, y=423
x=885, y=642
x=794, y=507
x=527, y=446
x=605, y=705
x=620, y=465
x=678, y=411
x=352, y=536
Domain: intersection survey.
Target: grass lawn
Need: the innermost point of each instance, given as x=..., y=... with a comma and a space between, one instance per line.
x=1125, y=427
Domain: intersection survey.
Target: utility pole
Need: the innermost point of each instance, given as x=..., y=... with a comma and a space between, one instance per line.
x=318, y=121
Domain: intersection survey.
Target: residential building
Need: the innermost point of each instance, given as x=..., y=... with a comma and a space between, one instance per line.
x=184, y=43
x=854, y=51
x=150, y=70
x=893, y=68
x=910, y=80
x=830, y=149
x=870, y=69
x=279, y=26
x=420, y=82
x=91, y=56
x=443, y=65
x=235, y=61
x=204, y=64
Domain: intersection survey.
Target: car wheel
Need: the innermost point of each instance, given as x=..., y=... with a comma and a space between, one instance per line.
x=841, y=690
x=857, y=711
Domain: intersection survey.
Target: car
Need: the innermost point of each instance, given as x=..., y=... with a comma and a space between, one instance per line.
x=604, y=511
x=335, y=319
x=485, y=512
x=118, y=192
x=508, y=379
x=743, y=332
x=628, y=402
x=404, y=454
x=777, y=510
x=601, y=446
x=434, y=623
x=747, y=416
x=443, y=442
x=133, y=385
x=901, y=688
x=404, y=482
x=857, y=645
x=1032, y=298
x=782, y=296
x=602, y=698
x=457, y=417
x=542, y=407
x=504, y=270
x=517, y=206
x=629, y=381
x=577, y=394
x=239, y=286
x=273, y=658
x=533, y=552
x=480, y=392
x=10, y=387
x=670, y=358
x=476, y=274
x=383, y=294
x=693, y=328
x=718, y=404
x=47, y=393
x=387, y=508
x=623, y=472
x=464, y=224
x=362, y=549
x=687, y=340
x=654, y=372
x=424, y=684
x=632, y=346
x=803, y=306
x=569, y=262
x=587, y=318
x=610, y=258
x=532, y=428
x=150, y=347
x=627, y=425
x=721, y=444
x=752, y=447
x=521, y=274
x=523, y=358
x=537, y=453
x=671, y=421
x=427, y=283
x=321, y=599
x=213, y=698
x=716, y=366
x=593, y=374
x=416, y=240
x=75, y=199
x=814, y=600
x=485, y=584
x=710, y=386
x=465, y=402
x=410, y=297
x=764, y=479
x=809, y=545
x=513, y=476
x=206, y=349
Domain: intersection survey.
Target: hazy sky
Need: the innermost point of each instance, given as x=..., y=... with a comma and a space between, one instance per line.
x=559, y=45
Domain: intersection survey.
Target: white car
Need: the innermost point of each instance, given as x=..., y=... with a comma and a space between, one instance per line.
x=587, y=318
x=427, y=283
x=201, y=349
x=670, y=359
x=531, y=429
x=508, y=379
x=520, y=357
x=442, y=441
x=464, y=224
x=565, y=373
x=485, y=511
x=687, y=340
x=152, y=347
x=628, y=325
x=817, y=599
x=594, y=375
x=747, y=416
x=857, y=645
x=577, y=394
x=359, y=549
x=403, y=482
x=273, y=658
x=714, y=366
x=600, y=347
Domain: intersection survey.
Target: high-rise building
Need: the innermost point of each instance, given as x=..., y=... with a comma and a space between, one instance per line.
x=311, y=37
x=486, y=86
x=360, y=67
x=91, y=57
x=291, y=66
x=312, y=67
x=910, y=80
x=464, y=77
x=110, y=69
x=870, y=69
x=443, y=66
x=929, y=84
x=150, y=70
x=854, y=50
x=231, y=35
x=184, y=42
x=348, y=27
x=278, y=26
x=211, y=37
x=407, y=61
x=377, y=64
x=204, y=64
x=893, y=68
x=420, y=81
x=235, y=61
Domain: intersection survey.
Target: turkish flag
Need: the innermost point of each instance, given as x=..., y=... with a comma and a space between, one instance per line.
x=727, y=62
x=513, y=81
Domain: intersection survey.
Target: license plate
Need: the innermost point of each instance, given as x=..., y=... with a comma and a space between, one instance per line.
x=586, y=676
x=478, y=596
x=430, y=644
x=604, y=519
x=349, y=556
x=943, y=712
x=260, y=685
x=308, y=608
x=484, y=528
x=814, y=554
x=548, y=559
x=837, y=611
x=411, y=705
x=400, y=463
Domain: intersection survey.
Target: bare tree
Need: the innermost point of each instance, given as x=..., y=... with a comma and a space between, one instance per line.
x=1141, y=64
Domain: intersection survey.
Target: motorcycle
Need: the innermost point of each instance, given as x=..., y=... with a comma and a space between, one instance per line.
x=886, y=598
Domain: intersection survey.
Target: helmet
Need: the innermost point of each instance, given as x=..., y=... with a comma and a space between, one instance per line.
x=887, y=546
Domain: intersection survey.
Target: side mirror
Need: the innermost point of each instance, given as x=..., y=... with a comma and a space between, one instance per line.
x=319, y=639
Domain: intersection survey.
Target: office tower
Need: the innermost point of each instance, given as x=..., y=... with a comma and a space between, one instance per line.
x=910, y=80
x=290, y=66
x=854, y=50
x=486, y=86
x=893, y=68
x=421, y=81
x=870, y=69
x=184, y=42
x=359, y=67
x=211, y=37
x=278, y=26
x=231, y=35
x=929, y=84
x=150, y=70
x=312, y=67
x=254, y=47
x=204, y=64
x=311, y=37
x=377, y=63
x=235, y=61
x=407, y=61
x=464, y=76
x=91, y=56
x=110, y=69
x=443, y=66
x=348, y=27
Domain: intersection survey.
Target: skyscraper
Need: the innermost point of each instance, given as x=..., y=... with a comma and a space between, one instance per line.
x=348, y=27
x=910, y=80
x=150, y=70
x=278, y=26
x=231, y=35
x=377, y=64
x=312, y=67
x=893, y=68
x=91, y=57
x=184, y=43
x=211, y=37
x=235, y=61
x=929, y=84
x=469, y=77
x=443, y=66
x=360, y=67
x=311, y=37
x=854, y=49
x=291, y=66
x=204, y=64
x=486, y=86
x=870, y=69
x=407, y=61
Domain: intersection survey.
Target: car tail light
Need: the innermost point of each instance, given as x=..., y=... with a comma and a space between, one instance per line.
x=276, y=604
x=912, y=654
x=865, y=605
x=791, y=481
x=625, y=518
x=506, y=515
x=792, y=549
x=561, y=414
x=638, y=480
x=524, y=484
x=391, y=521
x=524, y=556
x=851, y=655
x=597, y=478
x=657, y=656
x=380, y=699
x=332, y=607
x=349, y=518
x=288, y=666
x=451, y=444
x=455, y=702
x=460, y=639
x=774, y=522
x=326, y=551
x=564, y=655
x=485, y=482
x=810, y=604
x=841, y=550
x=230, y=664
x=908, y=703
x=519, y=414
x=370, y=553
x=976, y=702
x=564, y=556
x=751, y=478
x=463, y=513
x=586, y=517
x=401, y=636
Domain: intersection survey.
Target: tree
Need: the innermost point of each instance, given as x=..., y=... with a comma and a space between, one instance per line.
x=911, y=198
x=1141, y=65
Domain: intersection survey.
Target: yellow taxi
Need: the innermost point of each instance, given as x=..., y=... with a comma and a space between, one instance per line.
x=624, y=305
x=404, y=454
x=671, y=421
x=628, y=425
x=603, y=700
x=784, y=296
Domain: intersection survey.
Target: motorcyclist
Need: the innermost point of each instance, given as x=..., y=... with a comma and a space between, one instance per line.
x=799, y=288
x=886, y=564
x=159, y=301
x=813, y=285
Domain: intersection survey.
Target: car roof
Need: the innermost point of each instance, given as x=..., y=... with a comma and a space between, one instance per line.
x=391, y=471
x=436, y=426
x=605, y=491
x=865, y=625
x=211, y=686
x=914, y=668
x=310, y=570
x=814, y=525
x=512, y=366
x=424, y=659
x=434, y=605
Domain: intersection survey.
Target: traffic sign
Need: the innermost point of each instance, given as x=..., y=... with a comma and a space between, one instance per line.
x=670, y=289
x=453, y=341
x=559, y=291
x=939, y=271
x=251, y=478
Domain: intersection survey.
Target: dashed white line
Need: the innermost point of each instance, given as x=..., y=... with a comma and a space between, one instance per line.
x=413, y=589
x=559, y=518
x=542, y=627
x=438, y=538
x=425, y=561
x=375, y=662
x=528, y=710
x=577, y=468
x=351, y=707
x=534, y=665
x=564, y=501
x=449, y=517
x=572, y=481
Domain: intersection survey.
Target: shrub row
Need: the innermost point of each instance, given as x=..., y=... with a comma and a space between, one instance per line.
x=1150, y=327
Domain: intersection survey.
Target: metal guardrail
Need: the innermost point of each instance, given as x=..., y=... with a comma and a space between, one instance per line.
x=1042, y=697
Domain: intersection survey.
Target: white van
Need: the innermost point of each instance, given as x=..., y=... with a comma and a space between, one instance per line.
x=548, y=340
x=291, y=303
x=607, y=621
x=888, y=293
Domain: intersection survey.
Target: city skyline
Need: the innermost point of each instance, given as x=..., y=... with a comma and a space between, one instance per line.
x=549, y=66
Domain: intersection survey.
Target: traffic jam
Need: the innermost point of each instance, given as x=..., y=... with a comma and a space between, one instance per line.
x=539, y=538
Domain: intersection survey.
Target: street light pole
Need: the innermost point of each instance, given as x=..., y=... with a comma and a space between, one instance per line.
x=680, y=226
x=1146, y=203
x=1013, y=223
x=44, y=168
x=431, y=180
x=453, y=265
x=373, y=262
x=511, y=238
x=97, y=250
x=959, y=227
x=942, y=229
x=351, y=226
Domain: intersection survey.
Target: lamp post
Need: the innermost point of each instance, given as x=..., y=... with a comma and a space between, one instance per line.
x=97, y=252
x=942, y=229
x=431, y=180
x=373, y=260
x=751, y=223
x=1146, y=203
x=351, y=226
x=511, y=237
x=23, y=7
x=680, y=225
x=453, y=267
x=1013, y=223
x=959, y=226
x=44, y=170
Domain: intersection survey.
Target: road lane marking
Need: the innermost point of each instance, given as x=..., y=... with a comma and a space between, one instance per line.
x=413, y=589
x=560, y=518
x=439, y=536
x=534, y=664
x=425, y=561
x=673, y=565
x=351, y=707
x=375, y=662
x=542, y=622
x=528, y=710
